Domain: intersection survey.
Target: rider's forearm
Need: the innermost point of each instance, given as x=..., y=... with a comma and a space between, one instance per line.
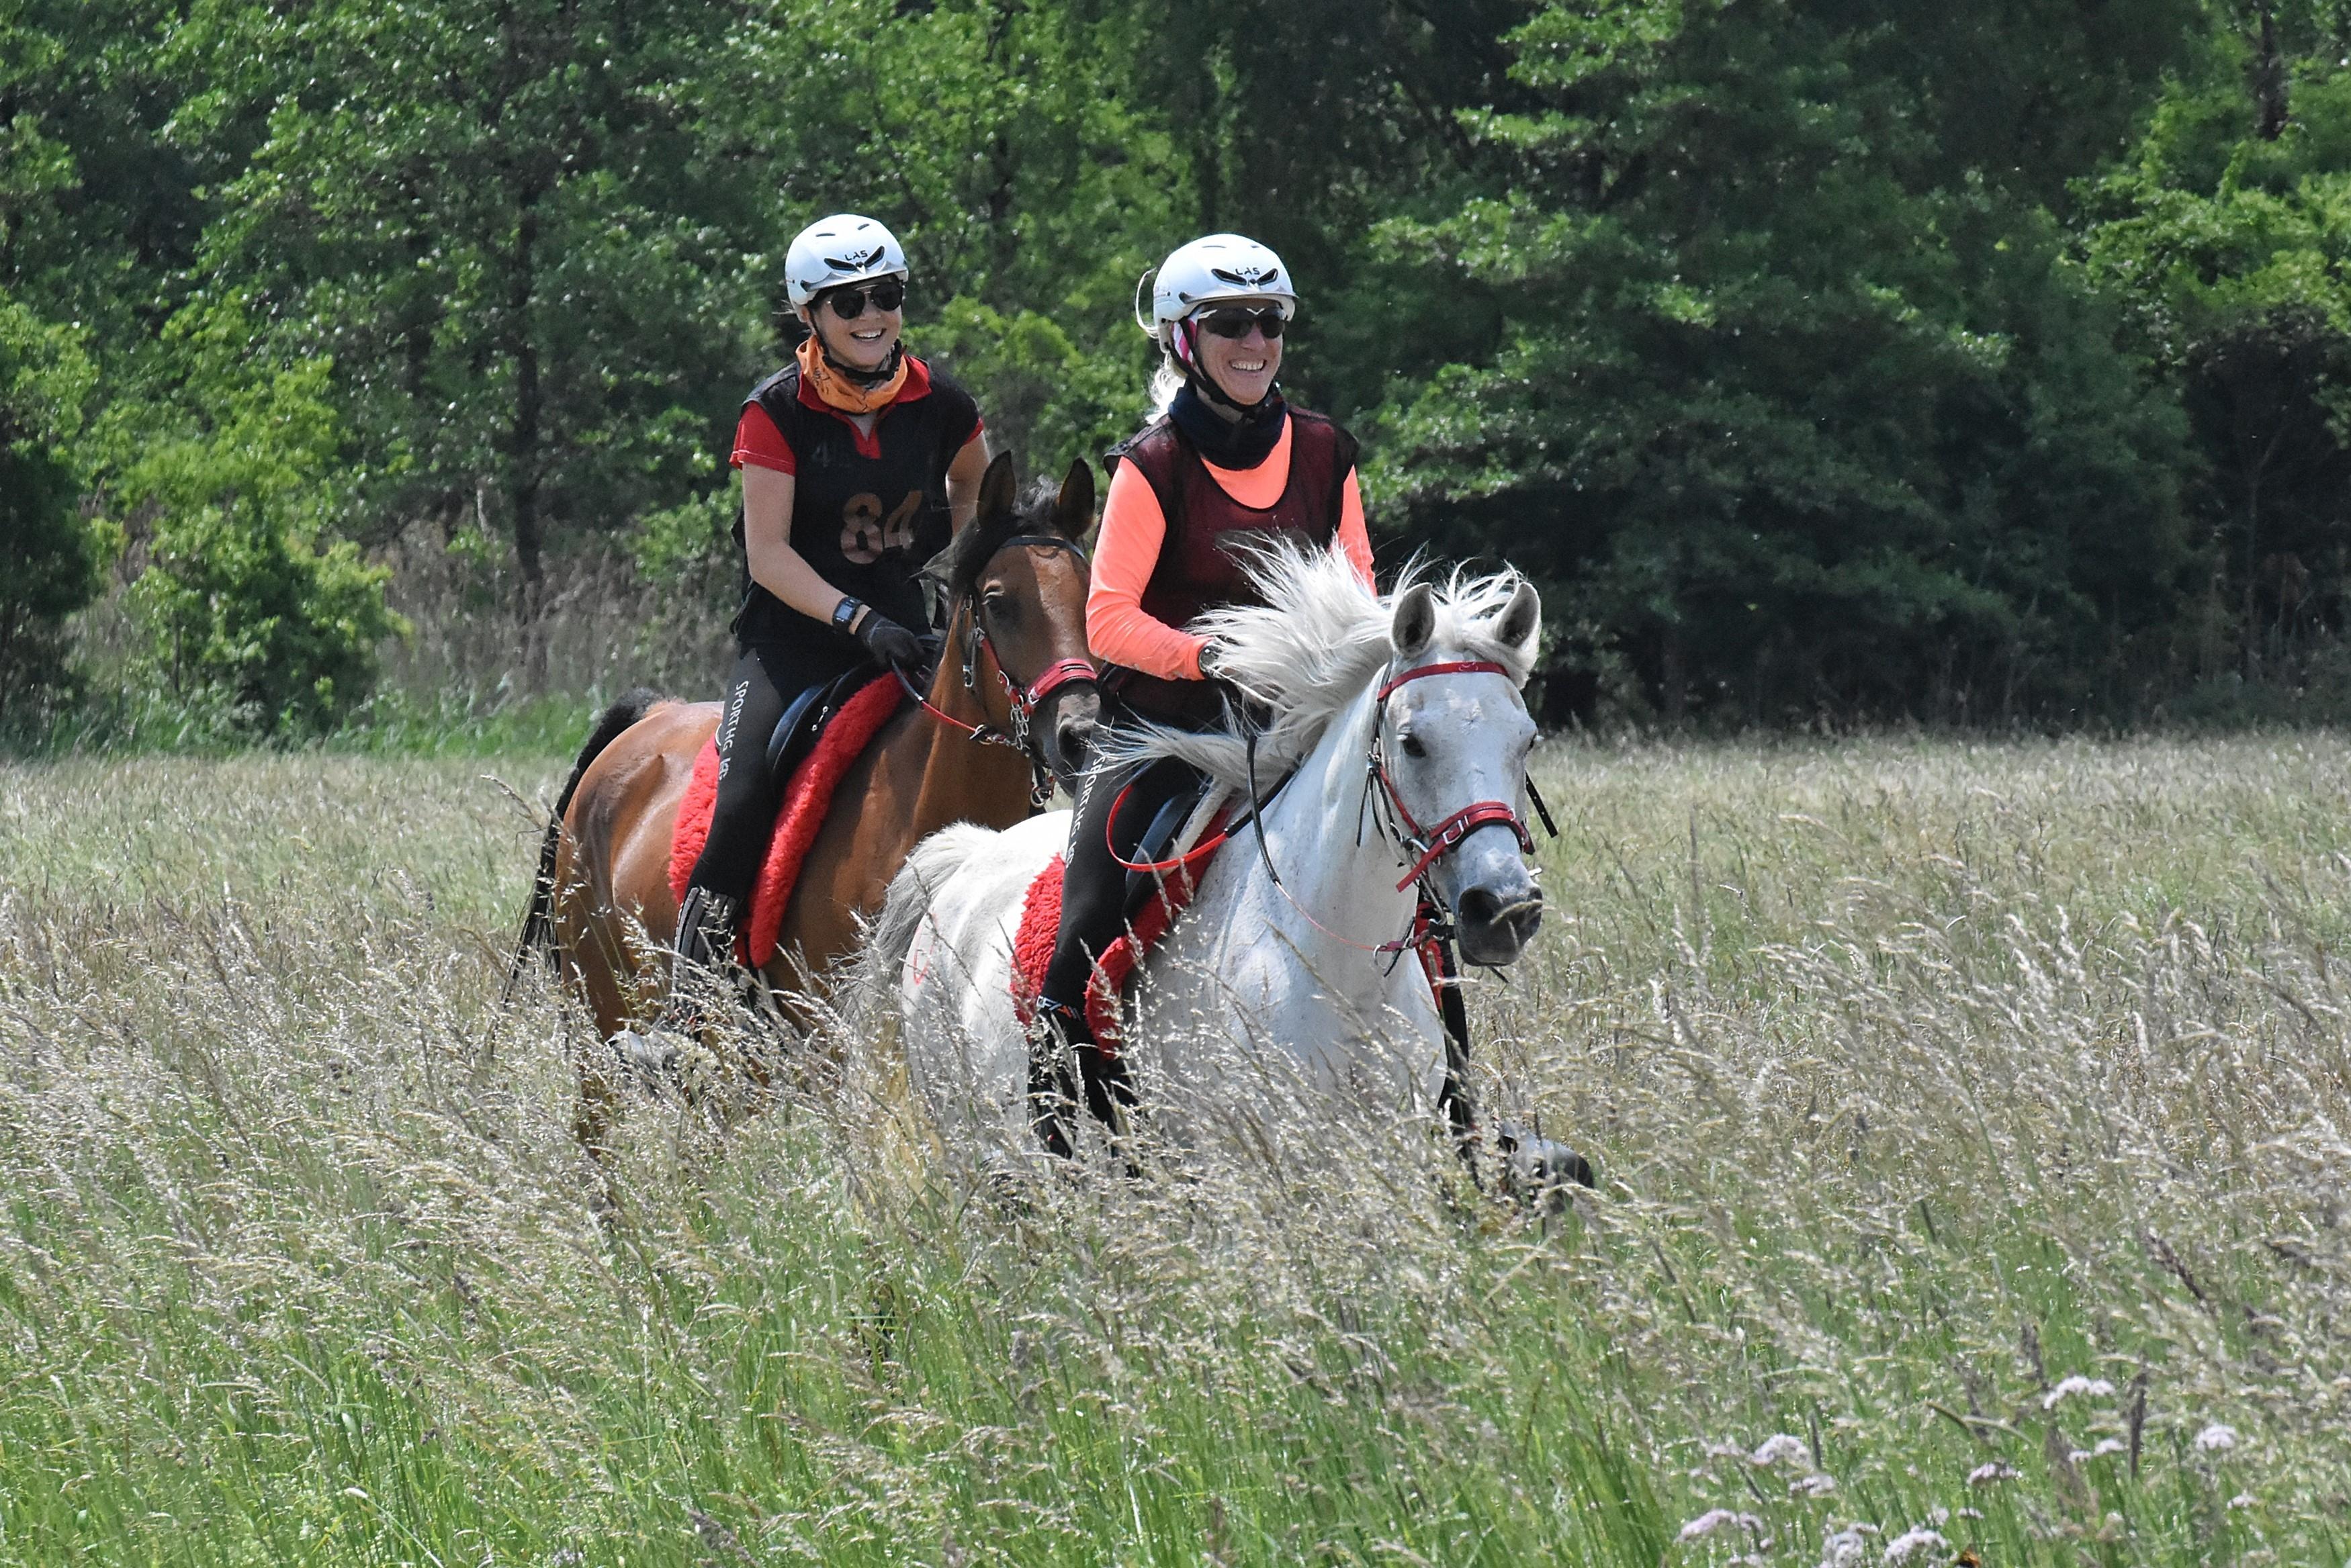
x=964, y=474
x=1355, y=538
x=781, y=570
x=775, y=565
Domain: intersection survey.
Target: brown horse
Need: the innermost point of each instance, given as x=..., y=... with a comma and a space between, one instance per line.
x=1012, y=706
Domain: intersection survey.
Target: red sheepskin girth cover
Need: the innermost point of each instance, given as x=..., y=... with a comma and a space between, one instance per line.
x=807, y=799
x=1041, y=922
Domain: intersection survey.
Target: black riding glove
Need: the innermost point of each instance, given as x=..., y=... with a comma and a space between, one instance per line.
x=888, y=642
x=1213, y=670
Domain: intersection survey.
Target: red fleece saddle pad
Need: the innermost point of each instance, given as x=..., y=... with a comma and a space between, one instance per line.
x=1041, y=922
x=807, y=799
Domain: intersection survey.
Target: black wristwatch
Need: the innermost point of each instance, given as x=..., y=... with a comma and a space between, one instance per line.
x=845, y=612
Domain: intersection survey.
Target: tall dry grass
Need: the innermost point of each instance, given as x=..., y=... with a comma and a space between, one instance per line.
x=1973, y=1181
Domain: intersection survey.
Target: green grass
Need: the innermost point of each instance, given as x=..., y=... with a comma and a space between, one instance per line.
x=1922, y=1077
x=392, y=723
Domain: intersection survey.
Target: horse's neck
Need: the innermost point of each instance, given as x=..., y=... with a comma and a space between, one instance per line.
x=951, y=778
x=1311, y=830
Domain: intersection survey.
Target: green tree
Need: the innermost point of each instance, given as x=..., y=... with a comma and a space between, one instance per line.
x=1791, y=415
x=514, y=229
x=252, y=607
x=2227, y=235
x=51, y=556
x=99, y=205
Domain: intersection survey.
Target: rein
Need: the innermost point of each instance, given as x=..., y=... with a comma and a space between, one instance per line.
x=1021, y=702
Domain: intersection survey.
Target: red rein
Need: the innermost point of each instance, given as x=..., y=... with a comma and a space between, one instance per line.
x=1059, y=673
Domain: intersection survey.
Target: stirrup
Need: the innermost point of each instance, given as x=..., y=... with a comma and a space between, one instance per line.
x=705, y=947
x=1053, y=1042
x=1064, y=1059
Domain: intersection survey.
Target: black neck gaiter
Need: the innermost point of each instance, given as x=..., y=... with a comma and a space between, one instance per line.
x=1225, y=433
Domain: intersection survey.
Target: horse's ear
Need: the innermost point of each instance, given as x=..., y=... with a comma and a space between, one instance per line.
x=1520, y=626
x=996, y=489
x=1415, y=622
x=1073, y=509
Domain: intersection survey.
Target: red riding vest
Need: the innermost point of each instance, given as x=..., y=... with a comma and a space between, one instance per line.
x=1198, y=568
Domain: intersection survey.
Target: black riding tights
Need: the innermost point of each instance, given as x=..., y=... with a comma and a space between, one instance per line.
x=1093, y=887
x=765, y=681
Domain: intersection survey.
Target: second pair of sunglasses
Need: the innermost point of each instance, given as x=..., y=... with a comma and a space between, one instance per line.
x=1234, y=322
x=848, y=304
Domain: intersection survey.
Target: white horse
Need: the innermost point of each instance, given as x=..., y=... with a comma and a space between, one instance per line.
x=1400, y=725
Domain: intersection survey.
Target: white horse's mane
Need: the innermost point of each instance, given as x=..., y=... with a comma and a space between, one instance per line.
x=1311, y=649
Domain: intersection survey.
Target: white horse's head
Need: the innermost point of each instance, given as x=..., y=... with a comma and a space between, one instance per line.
x=1455, y=742
x=1441, y=664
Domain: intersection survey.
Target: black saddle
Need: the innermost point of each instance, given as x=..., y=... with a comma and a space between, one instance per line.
x=1158, y=842
x=806, y=716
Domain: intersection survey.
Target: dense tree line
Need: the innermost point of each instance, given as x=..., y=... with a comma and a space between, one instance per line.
x=1820, y=360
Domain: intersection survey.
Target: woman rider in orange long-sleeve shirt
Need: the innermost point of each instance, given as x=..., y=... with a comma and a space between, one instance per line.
x=1227, y=460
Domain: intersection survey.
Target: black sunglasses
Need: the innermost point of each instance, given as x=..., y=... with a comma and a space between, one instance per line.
x=848, y=304
x=1236, y=323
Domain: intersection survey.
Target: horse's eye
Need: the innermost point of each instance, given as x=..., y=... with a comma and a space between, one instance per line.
x=1412, y=748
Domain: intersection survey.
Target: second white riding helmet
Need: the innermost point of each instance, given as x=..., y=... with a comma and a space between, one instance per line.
x=1211, y=268
x=843, y=248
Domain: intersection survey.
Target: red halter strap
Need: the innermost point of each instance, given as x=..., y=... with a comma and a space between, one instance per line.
x=1059, y=673
x=1455, y=667
x=1435, y=843
x=1021, y=702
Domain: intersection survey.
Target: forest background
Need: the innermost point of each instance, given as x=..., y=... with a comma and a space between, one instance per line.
x=366, y=369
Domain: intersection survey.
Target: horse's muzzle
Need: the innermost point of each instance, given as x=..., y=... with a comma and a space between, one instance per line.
x=1494, y=925
x=1076, y=715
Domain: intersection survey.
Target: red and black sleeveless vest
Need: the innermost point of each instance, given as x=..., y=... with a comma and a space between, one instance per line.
x=1199, y=567
x=868, y=507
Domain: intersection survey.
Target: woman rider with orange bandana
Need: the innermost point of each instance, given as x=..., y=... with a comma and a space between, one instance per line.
x=1226, y=461
x=858, y=463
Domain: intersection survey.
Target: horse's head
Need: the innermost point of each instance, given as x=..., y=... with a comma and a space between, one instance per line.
x=1021, y=575
x=1455, y=736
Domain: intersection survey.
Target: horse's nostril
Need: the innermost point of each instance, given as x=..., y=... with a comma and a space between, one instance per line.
x=1479, y=907
x=1527, y=914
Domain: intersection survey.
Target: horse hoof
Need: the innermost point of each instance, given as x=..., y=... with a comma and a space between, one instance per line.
x=650, y=1054
x=1540, y=1170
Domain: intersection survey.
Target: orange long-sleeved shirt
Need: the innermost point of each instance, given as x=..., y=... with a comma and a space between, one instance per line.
x=1133, y=528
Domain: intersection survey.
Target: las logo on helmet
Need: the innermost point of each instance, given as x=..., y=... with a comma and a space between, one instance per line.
x=1250, y=277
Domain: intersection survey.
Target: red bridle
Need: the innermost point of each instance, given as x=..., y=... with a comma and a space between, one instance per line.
x=1435, y=842
x=1430, y=844
x=1021, y=702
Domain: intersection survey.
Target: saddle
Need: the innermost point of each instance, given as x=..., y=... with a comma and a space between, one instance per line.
x=804, y=721
x=1182, y=838
x=813, y=746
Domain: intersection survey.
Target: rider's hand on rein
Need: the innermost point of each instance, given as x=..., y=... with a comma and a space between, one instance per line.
x=888, y=642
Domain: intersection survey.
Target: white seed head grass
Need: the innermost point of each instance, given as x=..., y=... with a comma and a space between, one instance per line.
x=1915, y=1071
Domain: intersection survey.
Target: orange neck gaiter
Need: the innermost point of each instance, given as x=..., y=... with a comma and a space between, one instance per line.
x=838, y=390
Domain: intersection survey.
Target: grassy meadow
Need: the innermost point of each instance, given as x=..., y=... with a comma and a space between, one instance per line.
x=1973, y=1120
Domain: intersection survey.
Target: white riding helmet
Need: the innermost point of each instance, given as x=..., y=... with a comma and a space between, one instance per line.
x=843, y=248
x=1211, y=268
